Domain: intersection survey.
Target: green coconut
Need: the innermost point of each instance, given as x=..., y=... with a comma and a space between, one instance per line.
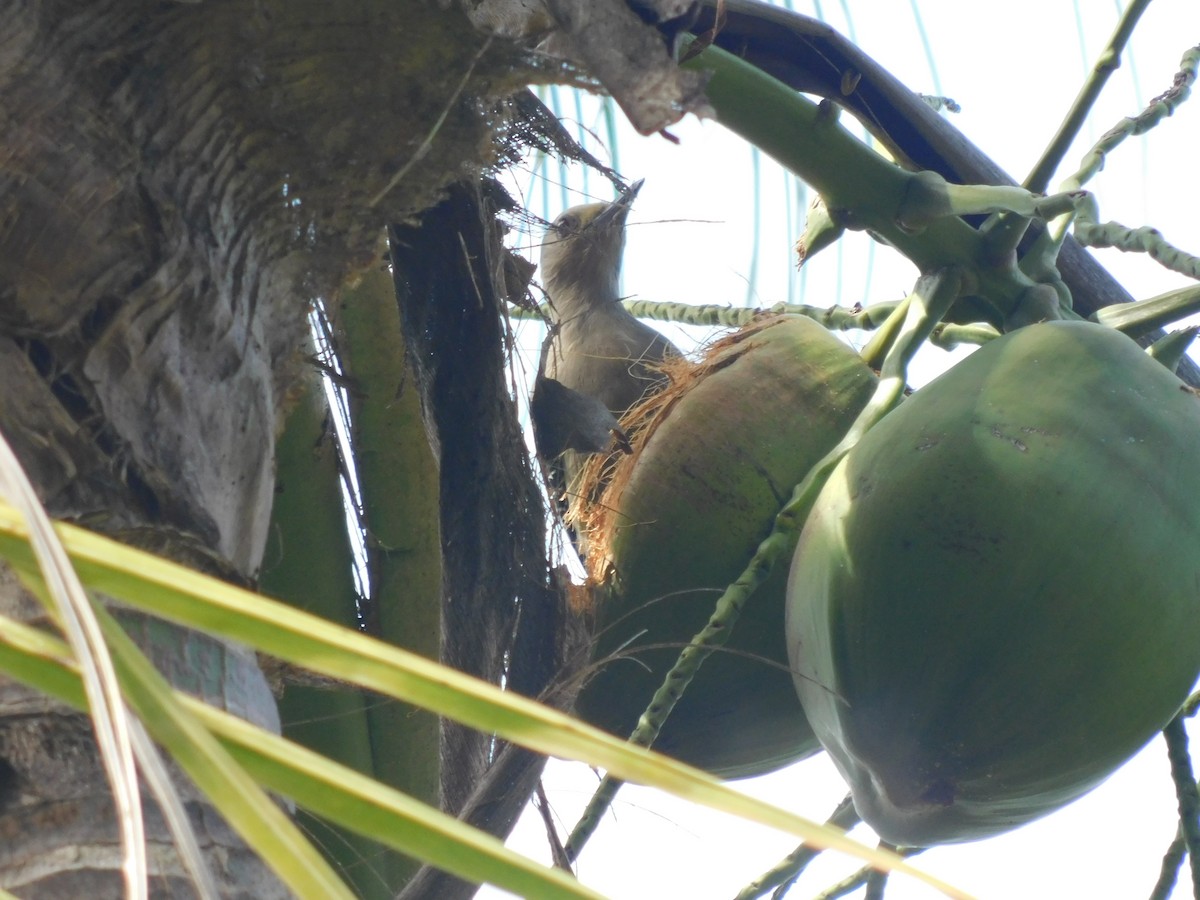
x=720, y=451
x=996, y=599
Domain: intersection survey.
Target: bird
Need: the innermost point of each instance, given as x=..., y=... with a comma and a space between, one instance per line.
x=597, y=349
x=600, y=349
x=564, y=419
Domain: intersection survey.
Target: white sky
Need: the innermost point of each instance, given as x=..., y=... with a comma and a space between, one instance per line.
x=1014, y=67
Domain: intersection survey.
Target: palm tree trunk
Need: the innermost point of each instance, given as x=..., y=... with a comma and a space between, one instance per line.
x=176, y=182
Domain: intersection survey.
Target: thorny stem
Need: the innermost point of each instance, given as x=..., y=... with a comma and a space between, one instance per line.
x=947, y=335
x=1109, y=62
x=930, y=300
x=1088, y=232
x=1185, y=791
x=835, y=318
x=789, y=868
x=1158, y=109
x=1091, y=233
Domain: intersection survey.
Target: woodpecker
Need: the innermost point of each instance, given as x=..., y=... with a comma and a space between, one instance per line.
x=600, y=350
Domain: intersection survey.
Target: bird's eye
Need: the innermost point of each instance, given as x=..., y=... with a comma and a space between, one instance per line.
x=567, y=223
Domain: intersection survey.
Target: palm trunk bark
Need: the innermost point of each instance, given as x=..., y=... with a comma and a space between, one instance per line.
x=176, y=182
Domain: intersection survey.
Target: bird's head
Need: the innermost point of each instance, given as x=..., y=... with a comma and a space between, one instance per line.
x=581, y=255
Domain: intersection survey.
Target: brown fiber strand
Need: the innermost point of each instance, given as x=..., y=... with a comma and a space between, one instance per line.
x=595, y=507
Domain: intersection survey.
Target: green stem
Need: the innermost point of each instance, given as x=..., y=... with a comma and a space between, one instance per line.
x=1002, y=236
x=310, y=565
x=858, y=879
x=1046, y=247
x=1169, y=872
x=1171, y=347
x=861, y=188
x=1109, y=62
x=932, y=197
x=1185, y=792
x=820, y=231
x=947, y=336
x=1146, y=316
x=933, y=296
x=1190, y=706
x=882, y=341
x=1158, y=109
x=398, y=476
x=789, y=868
x=876, y=885
x=930, y=300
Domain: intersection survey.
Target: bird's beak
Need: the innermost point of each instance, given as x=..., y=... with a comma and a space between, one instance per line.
x=616, y=211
